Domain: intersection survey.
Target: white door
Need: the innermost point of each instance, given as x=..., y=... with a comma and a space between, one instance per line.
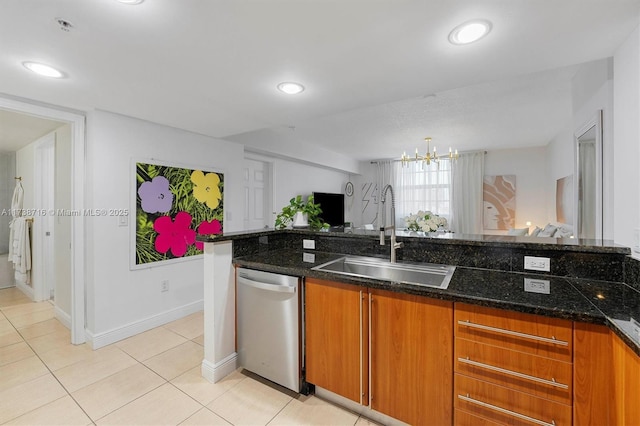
x=257, y=195
x=43, y=238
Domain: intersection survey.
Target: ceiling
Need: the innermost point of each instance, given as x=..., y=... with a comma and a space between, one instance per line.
x=380, y=75
x=18, y=130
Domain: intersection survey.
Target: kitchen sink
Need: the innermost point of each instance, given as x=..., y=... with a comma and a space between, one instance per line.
x=423, y=274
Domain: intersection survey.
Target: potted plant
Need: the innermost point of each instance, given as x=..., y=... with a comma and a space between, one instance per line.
x=301, y=214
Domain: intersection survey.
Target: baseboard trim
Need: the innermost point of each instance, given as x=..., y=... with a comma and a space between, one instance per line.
x=218, y=371
x=63, y=317
x=26, y=289
x=99, y=340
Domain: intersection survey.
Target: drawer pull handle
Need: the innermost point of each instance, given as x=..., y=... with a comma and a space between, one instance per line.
x=552, y=340
x=551, y=382
x=505, y=411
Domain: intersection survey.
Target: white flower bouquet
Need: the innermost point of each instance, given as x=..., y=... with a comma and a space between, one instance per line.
x=425, y=221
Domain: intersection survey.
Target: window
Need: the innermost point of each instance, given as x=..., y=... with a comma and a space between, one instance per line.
x=422, y=187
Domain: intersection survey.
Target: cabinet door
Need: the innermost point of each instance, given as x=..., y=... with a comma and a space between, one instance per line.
x=627, y=383
x=593, y=385
x=336, y=338
x=411, y=357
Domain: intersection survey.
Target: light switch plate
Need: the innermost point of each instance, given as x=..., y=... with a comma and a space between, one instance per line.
x=309, y=244
x=533, y=263
x=309, y=257
x=533, y=285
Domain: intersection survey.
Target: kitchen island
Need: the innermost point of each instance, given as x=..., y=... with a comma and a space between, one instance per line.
x=489, y=273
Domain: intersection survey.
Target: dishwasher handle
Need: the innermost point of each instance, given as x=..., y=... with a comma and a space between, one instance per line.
x=266, y=286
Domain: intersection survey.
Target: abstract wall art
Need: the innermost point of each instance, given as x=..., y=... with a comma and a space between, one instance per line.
x=173, y=205
x=499, y=200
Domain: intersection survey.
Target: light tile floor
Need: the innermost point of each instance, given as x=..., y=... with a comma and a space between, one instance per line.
x=152, y=378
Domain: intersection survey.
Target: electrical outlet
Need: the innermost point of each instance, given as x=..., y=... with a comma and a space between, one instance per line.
x=537, y=263
x=164, y=286
x=533, y=285
x=309, y=244
x=309, y=257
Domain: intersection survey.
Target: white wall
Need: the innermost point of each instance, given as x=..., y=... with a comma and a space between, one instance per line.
x=559, y=157
x=294, y=178
x=626, y=155
x=529, y=166
x=120, y=301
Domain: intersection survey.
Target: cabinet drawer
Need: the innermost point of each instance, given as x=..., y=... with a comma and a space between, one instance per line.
x=506, y=406
x=534, y=334
x=544, y=377
x=462, y=418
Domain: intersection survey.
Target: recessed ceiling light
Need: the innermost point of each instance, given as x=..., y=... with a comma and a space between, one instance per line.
x=43, y=70
x=470, y=31
x=130, y=1
x=291, y=88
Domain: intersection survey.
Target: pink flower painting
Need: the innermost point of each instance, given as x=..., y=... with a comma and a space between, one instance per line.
x=208, y=228
x=175, y=235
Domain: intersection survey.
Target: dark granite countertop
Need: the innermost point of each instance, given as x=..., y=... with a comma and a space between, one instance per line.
x=614, y=304
x=508, y=241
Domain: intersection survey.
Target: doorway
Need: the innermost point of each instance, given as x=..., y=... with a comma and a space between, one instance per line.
x=76, y=121
x=258, y=203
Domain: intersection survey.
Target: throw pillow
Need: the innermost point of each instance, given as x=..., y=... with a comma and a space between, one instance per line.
x=548, y=231
x=518, y=231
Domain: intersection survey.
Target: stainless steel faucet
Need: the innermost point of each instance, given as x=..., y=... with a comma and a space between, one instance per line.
x=394, y=245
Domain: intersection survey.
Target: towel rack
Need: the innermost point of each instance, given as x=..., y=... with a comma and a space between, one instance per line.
x=18, y=178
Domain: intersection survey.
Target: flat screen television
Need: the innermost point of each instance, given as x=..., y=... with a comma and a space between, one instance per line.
x=332, y=206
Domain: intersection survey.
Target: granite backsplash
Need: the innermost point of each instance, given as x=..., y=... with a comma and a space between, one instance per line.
x=605, y=265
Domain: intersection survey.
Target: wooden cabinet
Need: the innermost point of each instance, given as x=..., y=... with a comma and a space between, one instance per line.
x=512, y=368
x=336, y=334
x=426, y=363
x=411, y=357
x=409, y=340
x=594, y=398
x=607, y=378
x=627, y=383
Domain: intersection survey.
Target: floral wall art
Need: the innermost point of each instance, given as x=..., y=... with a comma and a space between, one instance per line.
x=173, y=205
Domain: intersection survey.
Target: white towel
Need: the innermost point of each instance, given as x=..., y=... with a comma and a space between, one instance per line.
x=20, y=249
x=16, y=211
x=16, y=200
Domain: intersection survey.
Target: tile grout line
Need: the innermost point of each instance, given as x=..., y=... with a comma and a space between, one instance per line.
x=52, y=374
x=205, y=406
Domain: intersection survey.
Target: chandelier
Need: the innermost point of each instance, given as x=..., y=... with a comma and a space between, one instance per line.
x=429, y=156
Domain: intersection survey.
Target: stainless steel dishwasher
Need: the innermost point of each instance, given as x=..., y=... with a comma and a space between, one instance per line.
x=269, y=326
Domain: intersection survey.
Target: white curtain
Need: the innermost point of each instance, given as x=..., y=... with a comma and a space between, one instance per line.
x=466, y=193
x=421, y=187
